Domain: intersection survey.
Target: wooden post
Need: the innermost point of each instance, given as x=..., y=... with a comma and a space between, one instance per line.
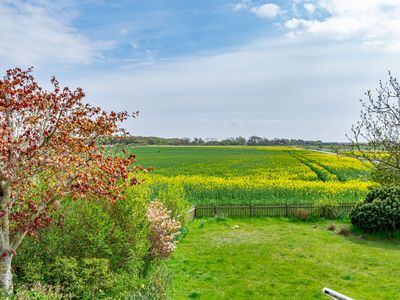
x=215, y=210
x=251, y=210
x=287, y=210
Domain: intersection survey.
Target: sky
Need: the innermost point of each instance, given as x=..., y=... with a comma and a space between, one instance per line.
x=211, y=69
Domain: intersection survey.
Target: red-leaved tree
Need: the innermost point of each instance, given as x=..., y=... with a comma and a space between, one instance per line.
x=48, y=152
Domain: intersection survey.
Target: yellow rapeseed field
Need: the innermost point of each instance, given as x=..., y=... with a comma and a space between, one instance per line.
x=230, y=175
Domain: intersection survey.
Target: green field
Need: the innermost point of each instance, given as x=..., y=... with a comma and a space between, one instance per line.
x=227, y=175
x=281, y=259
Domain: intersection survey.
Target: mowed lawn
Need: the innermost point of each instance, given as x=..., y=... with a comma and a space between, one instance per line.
x=281, y=259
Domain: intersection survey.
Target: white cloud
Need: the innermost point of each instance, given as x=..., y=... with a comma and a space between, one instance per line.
x=266, y=10
x=293, y=23
x=34, y=33
x=309, y=7
x=374, y=23
x=240, y=6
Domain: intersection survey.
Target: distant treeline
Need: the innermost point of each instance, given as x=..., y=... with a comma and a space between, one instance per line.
x=233, y=141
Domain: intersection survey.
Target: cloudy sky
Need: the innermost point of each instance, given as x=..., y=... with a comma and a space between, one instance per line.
x=222, y=68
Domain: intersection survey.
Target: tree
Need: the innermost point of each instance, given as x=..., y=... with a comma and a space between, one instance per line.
x=254, y=140
x=376, y=137
x=48, y=152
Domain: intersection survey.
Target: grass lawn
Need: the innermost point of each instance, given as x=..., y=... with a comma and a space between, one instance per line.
x=281, y=259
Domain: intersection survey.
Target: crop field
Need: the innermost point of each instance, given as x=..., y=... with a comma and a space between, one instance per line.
x=281, y=259
x=236, y=175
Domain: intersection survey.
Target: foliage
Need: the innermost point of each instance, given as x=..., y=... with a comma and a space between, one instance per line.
x=174, y=199
x=376, y=136
x=95, y=238
x=220, y=217
x=250, y=175
x=380, y=212
x=48, y=152
x=331, y=227
x=163, y=230
x=274, y=258
x=157, y=286
x=233, y=141
x=87, y=279
x=327, y=208
x=344, y=230
x=38, y=291
x=385, y=175
x=302, y=214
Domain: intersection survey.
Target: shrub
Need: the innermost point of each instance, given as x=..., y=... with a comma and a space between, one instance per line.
x=87, y=279
x=302, y=214
x=40, y=292
x=173, y=198
x=108, y=241
x=331, y=227
x=344, y=230
x=163, y=230
x=65, y=273
x=379, y=212
x=327, y=209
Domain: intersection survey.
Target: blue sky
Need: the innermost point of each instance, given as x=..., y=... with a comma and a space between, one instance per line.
x=293, y=69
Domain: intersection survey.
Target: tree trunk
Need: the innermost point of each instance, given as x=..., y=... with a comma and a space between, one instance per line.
x=6, y=282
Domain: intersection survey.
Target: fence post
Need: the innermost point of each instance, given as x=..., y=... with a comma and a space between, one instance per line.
x=251, y=210
x=215, y=210
x=195, y=212
x=287, y=210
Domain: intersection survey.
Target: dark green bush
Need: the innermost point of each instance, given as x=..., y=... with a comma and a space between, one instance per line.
x=379, y=212
x=99, y=251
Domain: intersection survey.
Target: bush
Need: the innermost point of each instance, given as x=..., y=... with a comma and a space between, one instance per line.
x=103, y=250
x=380, y=211
x=163, y=230
x=344, y=230
x=331, y=227
x=302, y=214
x=40, y=292
x=65, y=273
x=98, y=244
x=327, y=209
x=173, y=198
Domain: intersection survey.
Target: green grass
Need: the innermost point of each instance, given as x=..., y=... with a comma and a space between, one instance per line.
x=281, y=259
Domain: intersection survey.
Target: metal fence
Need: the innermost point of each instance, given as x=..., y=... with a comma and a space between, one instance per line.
x=271, y=210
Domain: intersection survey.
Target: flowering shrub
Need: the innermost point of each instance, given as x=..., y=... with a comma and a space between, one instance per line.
x=163, y=230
